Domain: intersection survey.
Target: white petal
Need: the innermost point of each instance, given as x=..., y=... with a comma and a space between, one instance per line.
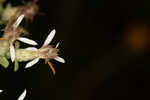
x=59, y=59
x=12, y=53
x=31, y=48
x=1, y=91
x=22, y=96
x=31, y=63
x=49, y=37
x=20, y=18
x=26, y=40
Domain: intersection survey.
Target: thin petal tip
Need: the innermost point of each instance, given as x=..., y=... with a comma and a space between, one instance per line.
x=54, y=30
x=59, y=59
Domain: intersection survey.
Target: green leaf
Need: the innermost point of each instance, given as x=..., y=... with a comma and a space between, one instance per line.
x=17, y=45
x=4, y=62
x=16, y=67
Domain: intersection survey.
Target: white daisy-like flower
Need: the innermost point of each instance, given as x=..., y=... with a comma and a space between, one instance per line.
x=23, y=95
x=14, y=34
x=46, y=52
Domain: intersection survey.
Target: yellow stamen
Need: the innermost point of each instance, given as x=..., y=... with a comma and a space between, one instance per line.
x=57, y=45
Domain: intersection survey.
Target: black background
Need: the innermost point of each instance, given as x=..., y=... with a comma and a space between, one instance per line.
x=98, y=64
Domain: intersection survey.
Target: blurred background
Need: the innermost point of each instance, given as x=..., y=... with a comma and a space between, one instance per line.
x=106, y=45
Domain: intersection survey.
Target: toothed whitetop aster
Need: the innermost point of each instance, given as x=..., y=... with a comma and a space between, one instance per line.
x=46, y=52
x=23, y=39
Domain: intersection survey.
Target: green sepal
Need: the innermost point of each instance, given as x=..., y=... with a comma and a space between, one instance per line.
x=4, y=62
x=16, y=66
x=17, y=45
x=25, y=32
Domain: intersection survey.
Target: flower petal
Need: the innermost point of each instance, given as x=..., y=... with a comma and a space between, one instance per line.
x=31, y=63
x=59, y=59
x=49, y=37
x=20, y=18
x=26, y=40
x=22, y=96
x=1, y=91
x=31, y=48
x=12, y=53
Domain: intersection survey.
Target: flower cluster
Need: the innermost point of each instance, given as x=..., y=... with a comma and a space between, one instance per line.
x=29, y=9
x=12, y=33
x=47, y=52
x=9, y=42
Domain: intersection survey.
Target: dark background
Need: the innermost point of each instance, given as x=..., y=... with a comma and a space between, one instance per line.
x=106, y=47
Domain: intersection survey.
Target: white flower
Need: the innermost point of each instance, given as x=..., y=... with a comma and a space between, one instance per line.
x=23, y=39
x=22, y=96
x=46, y=52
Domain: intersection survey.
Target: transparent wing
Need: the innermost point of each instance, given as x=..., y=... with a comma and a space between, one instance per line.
x=26, y=40
x=49, y=37
x=31, y=63
x=12, y=53
x=22, y=96
x=16, y=24
x=31, y=48
x=59, y=59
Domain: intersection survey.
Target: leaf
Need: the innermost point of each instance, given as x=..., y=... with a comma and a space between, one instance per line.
x=4, y=62
x=16, y=66
x=17, y=45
